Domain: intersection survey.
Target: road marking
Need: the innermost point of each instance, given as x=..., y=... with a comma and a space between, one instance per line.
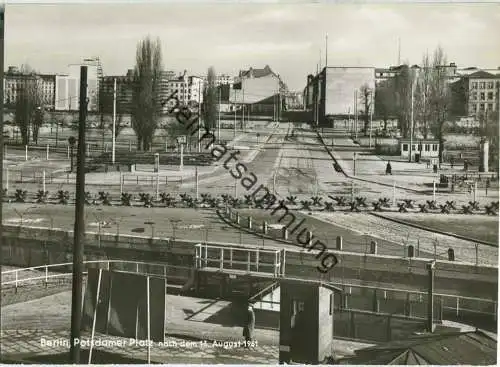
x=25, y=221
x=192, y=226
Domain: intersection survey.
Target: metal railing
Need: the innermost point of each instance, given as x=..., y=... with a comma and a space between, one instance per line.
x=248, y=259
x=43, y=274
x=457, y=305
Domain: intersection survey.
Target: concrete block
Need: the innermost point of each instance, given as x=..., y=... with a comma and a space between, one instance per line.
x=264, y=227
x=309, y=238
x=249, y=222
x=237, y=218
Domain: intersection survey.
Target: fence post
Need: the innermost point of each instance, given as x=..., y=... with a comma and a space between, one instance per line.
x=26, y=152
x=137, y=268
x=46, y=275
x=68, y=152
x=7, y=178
x=458, y=305
x=222, y=259
x=339, y=243
x=48, y=151
x=16, y=281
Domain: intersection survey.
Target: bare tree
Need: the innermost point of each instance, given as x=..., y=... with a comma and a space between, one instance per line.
x=366, y=100
x=440, y=100
x=210, y=100
x=385, y=106
x=146, y=104
x=403, y=85
x=29, y=112
x=421, y=97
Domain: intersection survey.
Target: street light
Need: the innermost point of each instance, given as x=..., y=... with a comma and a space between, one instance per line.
x=414, y=72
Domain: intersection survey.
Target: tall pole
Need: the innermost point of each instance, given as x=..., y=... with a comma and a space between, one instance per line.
x=326, y=52
x=79, y=231
x=114, y=123
x=371, y=117
x=356, y=113
x=411, y=123
x=199, y=117
x=234, y=106
x=243, y=110
x=2, y=32
x=218, y=117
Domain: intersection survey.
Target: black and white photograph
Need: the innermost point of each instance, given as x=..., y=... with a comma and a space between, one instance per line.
x=249, y=182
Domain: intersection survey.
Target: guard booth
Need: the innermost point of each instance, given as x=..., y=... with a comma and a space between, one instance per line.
x=306, y=321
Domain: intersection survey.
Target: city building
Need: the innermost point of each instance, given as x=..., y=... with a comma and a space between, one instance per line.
x=294, y=101
x=476, y=93
x=124, y=90
x=260, y=90
x=15, y=79
x=67, y=89
x=335, y=93
x=188, y=89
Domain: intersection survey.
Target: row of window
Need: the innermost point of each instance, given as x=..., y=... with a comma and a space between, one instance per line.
x=482, y=96
x=418, y=147
x=482, y=107
x=484, y=85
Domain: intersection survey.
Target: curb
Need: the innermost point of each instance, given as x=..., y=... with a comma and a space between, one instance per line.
x=417, y=226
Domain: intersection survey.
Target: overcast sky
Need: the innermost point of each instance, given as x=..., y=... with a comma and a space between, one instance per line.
x=231, y=37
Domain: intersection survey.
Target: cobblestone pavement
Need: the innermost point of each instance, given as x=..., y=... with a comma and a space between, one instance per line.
x=28, y=343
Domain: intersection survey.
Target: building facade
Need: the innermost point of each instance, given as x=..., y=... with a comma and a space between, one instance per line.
x=476, y=94
x=44, y=86
x=67, y=89
x=336, y=92
x=260, y=91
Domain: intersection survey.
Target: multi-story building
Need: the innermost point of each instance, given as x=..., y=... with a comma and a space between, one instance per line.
x=476, y=94
x=260, y=90
x=44, y=86
x=123, y=93
x=67, y=89
x=188, y=89
x=335, y=92
x=223, y=79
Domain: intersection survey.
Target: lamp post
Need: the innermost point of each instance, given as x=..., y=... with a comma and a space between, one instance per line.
x=414, y=73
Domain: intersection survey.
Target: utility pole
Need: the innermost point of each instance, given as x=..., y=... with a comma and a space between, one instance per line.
x=326, y=52
x=79, y=231
x=234, y=106
x=243, y=109
x=114, y=124
x=2, y=56
x=413, y=77
x=371, y=116
x=356, y=114
x=218, y=117
x=199, y=117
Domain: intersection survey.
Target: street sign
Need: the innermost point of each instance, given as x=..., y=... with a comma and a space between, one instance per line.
x=181, y=139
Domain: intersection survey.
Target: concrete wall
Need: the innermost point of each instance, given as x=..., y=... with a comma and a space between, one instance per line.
x=29, y=246
x=359, y=325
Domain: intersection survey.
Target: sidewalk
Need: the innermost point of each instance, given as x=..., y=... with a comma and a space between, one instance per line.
x=193, y=324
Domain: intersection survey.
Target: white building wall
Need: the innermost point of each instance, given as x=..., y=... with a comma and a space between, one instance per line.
x=255, y=90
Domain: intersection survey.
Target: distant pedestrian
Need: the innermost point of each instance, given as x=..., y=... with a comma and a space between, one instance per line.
x=388, y=168
x=452, y=162
x=466, y=165
x=249, y=327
